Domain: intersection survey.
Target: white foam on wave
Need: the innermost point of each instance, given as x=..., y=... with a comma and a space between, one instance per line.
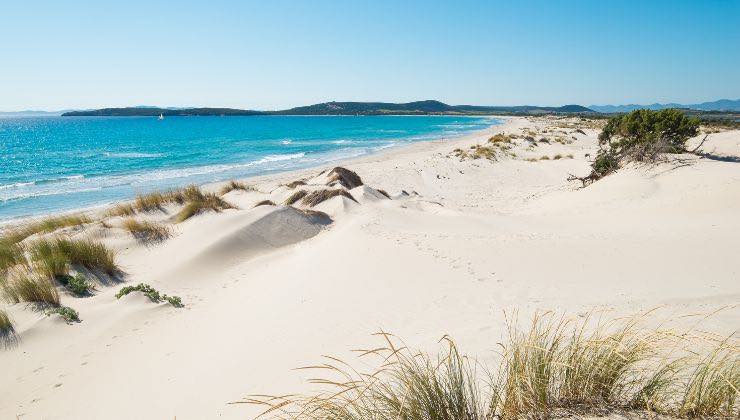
x=133, y=155
x=79, y=184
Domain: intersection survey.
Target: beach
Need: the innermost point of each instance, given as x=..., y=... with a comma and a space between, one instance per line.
x=435, y=241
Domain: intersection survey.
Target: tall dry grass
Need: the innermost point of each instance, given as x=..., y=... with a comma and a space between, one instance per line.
x=25, y=286
x=235, y=185
x=199, y=202
x=17, y=234
x=146, y=231
x=555, y=367
x=8, y=336
x=53, y=256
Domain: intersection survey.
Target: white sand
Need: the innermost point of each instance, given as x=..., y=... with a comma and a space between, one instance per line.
x=270, y=289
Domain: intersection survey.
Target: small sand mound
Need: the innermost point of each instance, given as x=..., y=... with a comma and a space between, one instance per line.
x=365, y=194
x=295, y=197
x=319, y=196
x=276, y=227
x=345, y=177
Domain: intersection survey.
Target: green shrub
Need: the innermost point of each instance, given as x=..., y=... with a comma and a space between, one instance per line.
x=68, y=314
x=151, y=293
x=77, y=285
x=642, y=135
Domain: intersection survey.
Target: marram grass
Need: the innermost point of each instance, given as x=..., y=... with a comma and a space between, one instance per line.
x=8, y=336
x=25, y=286
x=556, y=367
x=146, y=231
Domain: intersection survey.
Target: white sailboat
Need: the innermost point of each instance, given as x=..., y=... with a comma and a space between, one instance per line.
x=161, y=117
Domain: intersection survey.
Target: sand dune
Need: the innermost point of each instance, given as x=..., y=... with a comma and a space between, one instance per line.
x=461, y=242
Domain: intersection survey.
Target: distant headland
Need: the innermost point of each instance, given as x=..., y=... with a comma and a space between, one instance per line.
x=429, y=107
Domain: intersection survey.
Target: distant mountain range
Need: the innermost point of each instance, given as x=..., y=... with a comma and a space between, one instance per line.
x=429, y=107
x=720, y=105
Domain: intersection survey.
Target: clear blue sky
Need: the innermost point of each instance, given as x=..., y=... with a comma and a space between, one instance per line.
x=273, y=54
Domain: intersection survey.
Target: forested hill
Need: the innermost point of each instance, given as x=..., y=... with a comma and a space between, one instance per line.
x=340, y=108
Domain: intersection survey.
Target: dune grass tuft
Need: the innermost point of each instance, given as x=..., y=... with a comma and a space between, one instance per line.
x=8, y=336
x=29, y=287
x=557, y=367
x=53, y=256
x=295, y=197
x=122, y=209
x=344, y=177
x=235, y=185
x=316, y=197
x=11, y=254
x=17, y=234
x=408, y=385
x=712, y=388
x=198, y=202
x=146, y=231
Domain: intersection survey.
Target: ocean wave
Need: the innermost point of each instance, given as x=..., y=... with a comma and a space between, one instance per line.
x=286, y=142
x=15, y=185
x=132, y=155
x=278, y=158
x=78, y=183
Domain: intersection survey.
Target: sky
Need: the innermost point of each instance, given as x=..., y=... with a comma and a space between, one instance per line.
x=277, y=54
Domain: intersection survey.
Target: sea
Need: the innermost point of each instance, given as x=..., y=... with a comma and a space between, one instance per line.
x=50, y=165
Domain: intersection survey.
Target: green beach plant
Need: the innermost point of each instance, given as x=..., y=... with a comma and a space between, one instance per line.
x=78, y=284
x=151, y=293
x=68, y=314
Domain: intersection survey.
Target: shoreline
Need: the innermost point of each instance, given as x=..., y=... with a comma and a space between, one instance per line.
x=98, y=210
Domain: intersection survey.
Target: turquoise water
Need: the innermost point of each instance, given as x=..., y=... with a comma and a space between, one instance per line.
x=62, y=163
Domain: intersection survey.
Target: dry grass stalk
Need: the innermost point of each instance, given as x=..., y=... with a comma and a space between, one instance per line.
x=200, y=202
x=344, y=177
x=265, y=203
x=556, y=367
x=8, y=336
x=52, y=257
x=316, y=197
x=235, y=185
x=146, y=231
x=295, y=197
x=25, y=286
